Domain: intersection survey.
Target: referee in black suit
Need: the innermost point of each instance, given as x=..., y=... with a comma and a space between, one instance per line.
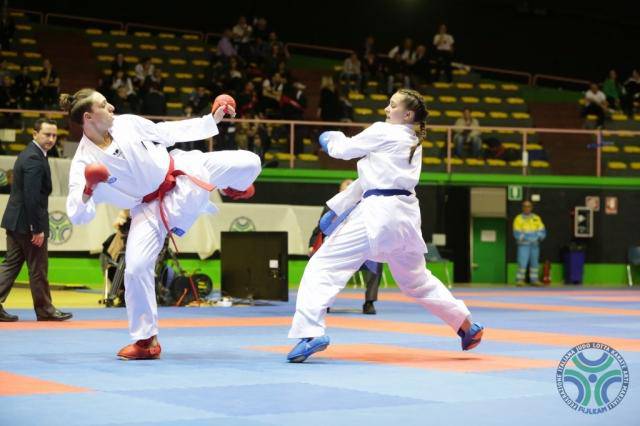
x=26, y=221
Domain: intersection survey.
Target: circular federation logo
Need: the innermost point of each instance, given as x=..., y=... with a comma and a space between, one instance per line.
x=592, y=378
x=242, y=224
x=60, y=227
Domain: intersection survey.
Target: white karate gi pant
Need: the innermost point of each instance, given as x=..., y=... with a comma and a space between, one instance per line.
x=146, y=237
x=341, y=256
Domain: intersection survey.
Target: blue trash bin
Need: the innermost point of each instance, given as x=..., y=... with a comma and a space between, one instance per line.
x=574, y=258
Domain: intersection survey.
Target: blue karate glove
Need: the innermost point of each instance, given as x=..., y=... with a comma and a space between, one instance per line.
x=324, y=141
x=326, y=219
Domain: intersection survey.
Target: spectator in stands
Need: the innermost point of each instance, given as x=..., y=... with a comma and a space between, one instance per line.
x=632, y=93
x=369, y=46
x=23, y=84
x=36, y=96
x=242, y=34
x=595, y=104
x=282, y=49
x=613, y=90
x=154, y=81
x=143, y=70
x=406, y=51
x=199, y=101
x=4, y=70
x=397, y=70
x=371, y=70
x=153, y=100
x=125, y=102
x=271, y=94
x=225, y=48
x=8, y=98
x=247, y=101
x=352, y=72
x=421, y=67
x=467, y=137
x=275, y=58
x=294, y=104
x=329, y=108
x=294, y=101
x=443, y=43
x=120, y=79
x=119, y=64
x=7, y=30
x=50, y=83
x=234, y=77
x=260, y=28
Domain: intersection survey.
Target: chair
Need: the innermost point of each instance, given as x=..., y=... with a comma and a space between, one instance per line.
x=633, y=259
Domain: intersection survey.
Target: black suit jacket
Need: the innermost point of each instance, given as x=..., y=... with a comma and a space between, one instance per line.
x=26, y=210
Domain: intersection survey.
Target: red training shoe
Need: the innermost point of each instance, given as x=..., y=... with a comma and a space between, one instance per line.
x=141, y=349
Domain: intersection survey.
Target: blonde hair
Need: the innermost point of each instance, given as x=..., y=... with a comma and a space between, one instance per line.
x=327, y=82
x=77, y=104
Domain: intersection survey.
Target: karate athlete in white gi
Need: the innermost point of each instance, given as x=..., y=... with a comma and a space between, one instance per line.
x=376, y=218
x=123, y=160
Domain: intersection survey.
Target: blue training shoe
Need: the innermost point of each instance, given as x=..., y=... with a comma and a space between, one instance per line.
x=471, y=339
x=307, y=347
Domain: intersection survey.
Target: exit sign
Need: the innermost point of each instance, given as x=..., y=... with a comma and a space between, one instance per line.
x=514, y=193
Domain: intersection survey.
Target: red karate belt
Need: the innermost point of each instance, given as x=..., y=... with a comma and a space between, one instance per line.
x=167, y=185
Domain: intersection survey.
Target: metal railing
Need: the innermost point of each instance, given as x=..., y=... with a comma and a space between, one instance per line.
x=295, y=125
x=35, y=13
x=511, y=73
x=49, y=16
x=555, y=78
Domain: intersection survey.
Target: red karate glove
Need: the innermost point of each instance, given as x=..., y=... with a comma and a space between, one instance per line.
x=94, y=174
x=234, y=194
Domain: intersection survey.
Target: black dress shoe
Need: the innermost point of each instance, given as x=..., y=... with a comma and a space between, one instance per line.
x=7, y=317
x=56, y=316
x=368, y=308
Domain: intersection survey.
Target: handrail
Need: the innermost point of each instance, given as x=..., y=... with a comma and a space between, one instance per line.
x=524, y=131
x=320, y=48
x=83, y=19
x=557, y=78
x=484, y=129
x=40, y=15
x=524, y=74
x=161, y=28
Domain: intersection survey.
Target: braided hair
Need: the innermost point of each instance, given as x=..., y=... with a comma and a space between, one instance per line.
x=414, y=101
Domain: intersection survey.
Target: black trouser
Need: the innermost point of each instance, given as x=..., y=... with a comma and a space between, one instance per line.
x=19, y=249
x=373, y=283
x=595, y=110
x=444, y=63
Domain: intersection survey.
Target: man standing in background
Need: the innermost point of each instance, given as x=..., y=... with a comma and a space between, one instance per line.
x=528, y=230
x=26, y=221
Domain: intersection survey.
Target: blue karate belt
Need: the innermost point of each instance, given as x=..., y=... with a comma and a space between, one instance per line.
x=385, y=192
x=371, y=266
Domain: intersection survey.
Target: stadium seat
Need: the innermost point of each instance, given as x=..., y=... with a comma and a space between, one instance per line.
x=431, y=161
x=616, y=165
x=631, y=149
x=540, y=164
